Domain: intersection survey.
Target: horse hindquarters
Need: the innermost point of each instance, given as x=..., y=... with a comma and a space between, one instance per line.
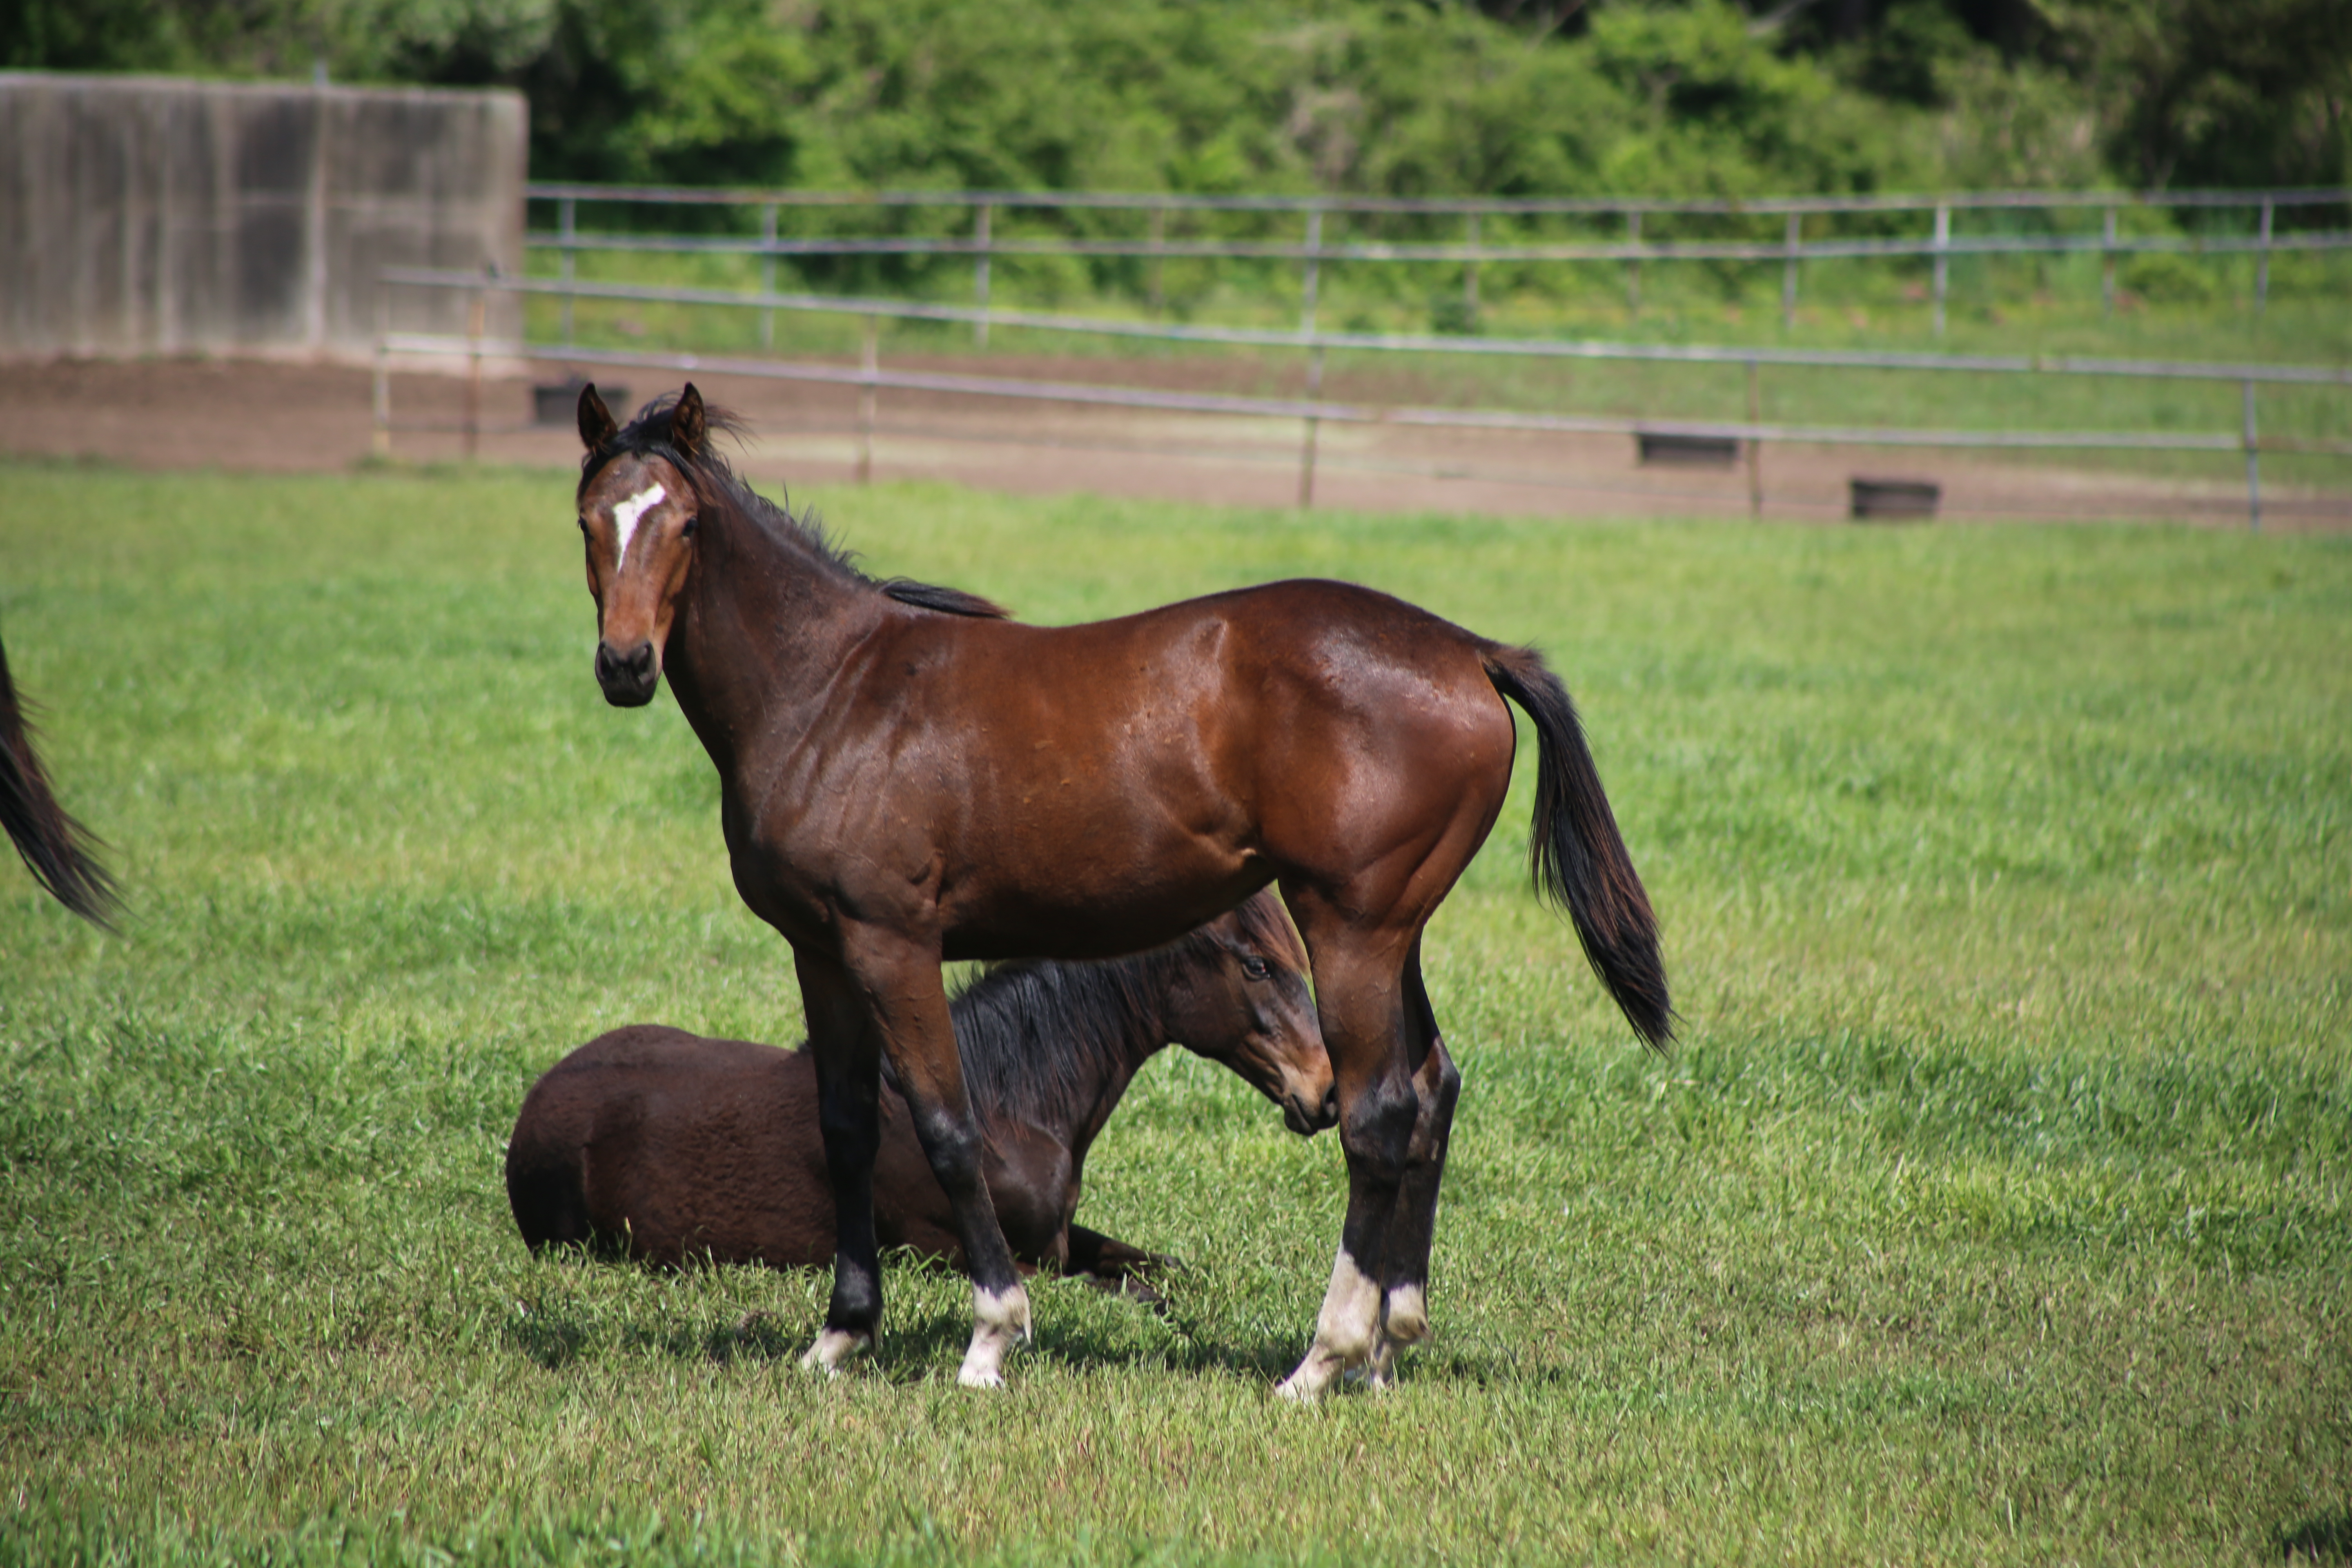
x=546, y=1180
x=662, y=1146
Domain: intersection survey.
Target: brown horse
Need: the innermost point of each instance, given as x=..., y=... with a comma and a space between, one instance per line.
x=907, y=775
x=658, y=1144
x=60, y=851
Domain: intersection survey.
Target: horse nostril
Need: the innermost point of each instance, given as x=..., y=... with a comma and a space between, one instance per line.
x=627, y=677
x=1331, y=1105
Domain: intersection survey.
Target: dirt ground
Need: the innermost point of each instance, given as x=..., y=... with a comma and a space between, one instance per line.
x=265, y=415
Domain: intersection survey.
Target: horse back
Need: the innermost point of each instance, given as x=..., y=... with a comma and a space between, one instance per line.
x=1095, y=789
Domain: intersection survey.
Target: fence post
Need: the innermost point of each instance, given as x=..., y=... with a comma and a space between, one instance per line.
x=1159, y=242
x=383, y=401
x=1470, y=272
x=2253, y=466
x=1755, y=443
x=475, y=321
x=1943, y=262
x=2108, y=263
x=1633, y=267
x=1313, y=427
x=1314, y=266
x=1789, y=273
x=980, y=225
x=767, y=274
x=567, y=223
x=871, y=362
x=2263, y=262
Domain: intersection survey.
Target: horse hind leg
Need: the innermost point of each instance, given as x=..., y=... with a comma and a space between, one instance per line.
x=1404, y=1306
x=1396, y=1093
x=1362, y=1002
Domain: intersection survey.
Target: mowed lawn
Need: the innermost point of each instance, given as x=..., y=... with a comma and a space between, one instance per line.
x=1994, y=1207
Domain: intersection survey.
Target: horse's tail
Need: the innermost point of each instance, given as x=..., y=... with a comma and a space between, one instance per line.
x=1575, y=853
x=62, y=854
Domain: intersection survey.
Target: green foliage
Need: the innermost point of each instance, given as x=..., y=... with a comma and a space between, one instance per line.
x=1994, y=1207
x=2219, y=92
x=2165, y=278
x=1670, y=96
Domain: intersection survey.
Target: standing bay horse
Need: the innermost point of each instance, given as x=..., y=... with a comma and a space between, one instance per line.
x=666, y=1147
x=57, y=850
x=907, y=775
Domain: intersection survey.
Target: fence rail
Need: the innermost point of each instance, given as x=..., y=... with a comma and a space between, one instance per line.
x=1312, y=252
x=1314, y=410
x=1145, y=201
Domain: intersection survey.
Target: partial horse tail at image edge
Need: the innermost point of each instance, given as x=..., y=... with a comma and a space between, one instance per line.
x=61, y=853
x=1575, y=853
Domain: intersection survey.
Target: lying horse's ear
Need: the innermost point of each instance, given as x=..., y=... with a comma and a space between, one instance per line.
x=596, y=425
x=688, y=426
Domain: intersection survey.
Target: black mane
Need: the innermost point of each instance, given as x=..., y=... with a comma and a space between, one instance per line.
x=649, y=436
x=1029, y=1029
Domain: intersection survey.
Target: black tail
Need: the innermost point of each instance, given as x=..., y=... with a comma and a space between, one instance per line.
x=1575, y=853
x=60, y=851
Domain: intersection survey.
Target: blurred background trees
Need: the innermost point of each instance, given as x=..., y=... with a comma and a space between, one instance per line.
x=1397, y=97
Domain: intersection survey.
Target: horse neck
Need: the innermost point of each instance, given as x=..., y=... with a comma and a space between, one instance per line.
x=760, y=619
x=1111, y=1063
x=1053, y=1046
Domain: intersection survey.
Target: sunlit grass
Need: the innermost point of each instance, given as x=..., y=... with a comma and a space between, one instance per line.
x=1993, y=1206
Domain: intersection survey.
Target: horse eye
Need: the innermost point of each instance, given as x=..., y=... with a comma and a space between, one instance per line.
x=583, y=525
x=1256, y=968
x=688, y=532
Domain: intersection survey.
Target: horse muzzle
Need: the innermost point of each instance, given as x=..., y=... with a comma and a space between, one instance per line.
x=1307, y=1121
x=628, y=676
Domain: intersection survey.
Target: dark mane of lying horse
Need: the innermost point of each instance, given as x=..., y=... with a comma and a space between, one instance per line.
x=1095, y=1006
x=648, y=434
x=61, y=852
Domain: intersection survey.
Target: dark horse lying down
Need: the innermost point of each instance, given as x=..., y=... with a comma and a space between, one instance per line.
x=58, y=850
x=907, y=775
x=661, y=1146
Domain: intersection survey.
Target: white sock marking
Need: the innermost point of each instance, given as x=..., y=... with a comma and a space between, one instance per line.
x=998, y=1324
x=1344, y=1331
x=626, y=515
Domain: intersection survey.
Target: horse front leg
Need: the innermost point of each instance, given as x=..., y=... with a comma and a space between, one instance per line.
x=901, y=983
x=849, y=1117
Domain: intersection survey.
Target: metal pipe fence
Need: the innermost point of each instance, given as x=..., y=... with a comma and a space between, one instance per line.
x=1312, y=251
x=1313, y=411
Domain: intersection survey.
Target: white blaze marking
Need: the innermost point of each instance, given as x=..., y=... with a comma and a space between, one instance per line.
x=626, y=515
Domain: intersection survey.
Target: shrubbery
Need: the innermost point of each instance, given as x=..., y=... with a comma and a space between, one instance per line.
x=1365, y=96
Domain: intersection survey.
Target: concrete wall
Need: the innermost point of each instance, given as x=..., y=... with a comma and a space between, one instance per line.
x=148, y=215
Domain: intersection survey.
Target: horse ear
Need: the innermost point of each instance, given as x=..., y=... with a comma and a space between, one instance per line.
x=596, y=425
x=688, y=426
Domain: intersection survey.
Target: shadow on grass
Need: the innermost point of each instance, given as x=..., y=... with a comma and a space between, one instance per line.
x=919, y=1339
x=554, y=1342
x=2322, y=1538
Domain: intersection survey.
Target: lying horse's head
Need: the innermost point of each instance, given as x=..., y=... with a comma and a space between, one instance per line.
x=638, y=508
x=1242, y=1001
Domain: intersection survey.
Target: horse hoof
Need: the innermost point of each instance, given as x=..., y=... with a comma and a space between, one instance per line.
x=980, y=1377
x=833, y=1350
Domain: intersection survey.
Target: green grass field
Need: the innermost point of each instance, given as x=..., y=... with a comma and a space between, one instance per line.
x=1997, y=1204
